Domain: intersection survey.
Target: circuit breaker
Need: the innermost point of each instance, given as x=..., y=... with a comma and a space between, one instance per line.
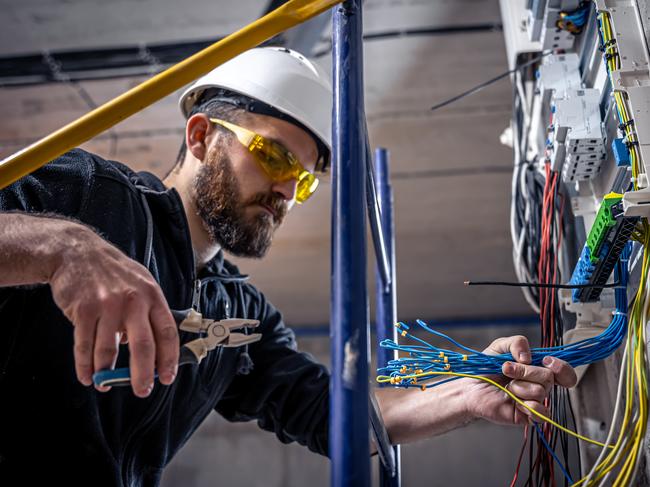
x=578, y=130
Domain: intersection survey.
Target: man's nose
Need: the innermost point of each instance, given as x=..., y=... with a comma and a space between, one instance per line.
x=287, y=189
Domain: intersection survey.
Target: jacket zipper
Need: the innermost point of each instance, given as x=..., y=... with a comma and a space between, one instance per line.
x=196, y=295
x=151, y=418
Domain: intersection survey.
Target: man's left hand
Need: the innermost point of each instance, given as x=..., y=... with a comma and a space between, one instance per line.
x=529, y=383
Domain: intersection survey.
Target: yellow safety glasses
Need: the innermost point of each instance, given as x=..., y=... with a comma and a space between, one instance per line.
x=278, y=163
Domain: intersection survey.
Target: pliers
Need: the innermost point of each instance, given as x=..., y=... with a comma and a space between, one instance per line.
x=213, y=333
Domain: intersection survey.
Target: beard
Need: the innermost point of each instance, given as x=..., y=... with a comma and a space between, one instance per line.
x=221, y=209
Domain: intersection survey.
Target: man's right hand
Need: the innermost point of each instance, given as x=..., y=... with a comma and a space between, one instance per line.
x=108, y=296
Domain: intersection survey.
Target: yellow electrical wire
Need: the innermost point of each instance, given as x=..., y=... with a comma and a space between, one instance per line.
x=611, y=51
x=630, y=135
x=387, y=379
x=632, y=431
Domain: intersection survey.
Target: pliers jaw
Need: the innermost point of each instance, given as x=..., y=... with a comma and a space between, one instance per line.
x=217, y=333
x=213, y=334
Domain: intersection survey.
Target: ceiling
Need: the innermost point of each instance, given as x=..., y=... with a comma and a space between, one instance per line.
x=450, y=174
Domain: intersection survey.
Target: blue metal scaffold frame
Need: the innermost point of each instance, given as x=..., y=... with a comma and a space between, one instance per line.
x=386, y=313
x=353, y=191
x=349, y=442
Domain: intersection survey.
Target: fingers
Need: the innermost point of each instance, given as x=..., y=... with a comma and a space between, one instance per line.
x=528, y=391
x=84, y=344
x=167, y=343
x=531, y=384
x=517, y=345
x=524, y=415
x=107, y=340
x=529, y=373
x=142, y=347
x=564, y=374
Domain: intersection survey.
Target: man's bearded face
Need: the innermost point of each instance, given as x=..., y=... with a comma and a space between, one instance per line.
x=223, y=212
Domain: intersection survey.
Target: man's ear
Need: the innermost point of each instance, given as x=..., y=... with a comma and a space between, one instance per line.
x=197, y=129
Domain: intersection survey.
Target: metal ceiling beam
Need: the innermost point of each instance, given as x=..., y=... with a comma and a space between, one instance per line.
x=146, y=60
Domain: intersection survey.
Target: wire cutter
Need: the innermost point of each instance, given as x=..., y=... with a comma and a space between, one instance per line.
x=213, y=334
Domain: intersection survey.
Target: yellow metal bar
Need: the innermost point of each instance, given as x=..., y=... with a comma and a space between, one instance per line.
x=104, y=117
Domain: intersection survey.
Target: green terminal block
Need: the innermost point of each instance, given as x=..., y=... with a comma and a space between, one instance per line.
x=603, y=223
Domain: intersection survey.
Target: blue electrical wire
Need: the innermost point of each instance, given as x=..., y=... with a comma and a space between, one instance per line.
x=540, y=434
x=424, y=357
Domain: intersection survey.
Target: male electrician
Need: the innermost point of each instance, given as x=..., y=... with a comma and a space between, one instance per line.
x=93, y=257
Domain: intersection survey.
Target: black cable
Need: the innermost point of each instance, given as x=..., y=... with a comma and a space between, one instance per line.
x=479, y=87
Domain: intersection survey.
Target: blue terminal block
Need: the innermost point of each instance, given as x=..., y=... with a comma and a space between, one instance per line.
x=582, y=273
x=621, y=153
x=596, y=272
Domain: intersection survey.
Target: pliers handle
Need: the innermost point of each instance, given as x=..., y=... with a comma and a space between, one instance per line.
x=213, y=333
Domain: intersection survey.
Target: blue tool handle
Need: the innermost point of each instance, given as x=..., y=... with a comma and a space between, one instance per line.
x=114, y=377
x=122, y=377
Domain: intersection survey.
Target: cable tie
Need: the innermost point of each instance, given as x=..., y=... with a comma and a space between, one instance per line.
x=620, y=313
x=423, y=388
x=464, y=357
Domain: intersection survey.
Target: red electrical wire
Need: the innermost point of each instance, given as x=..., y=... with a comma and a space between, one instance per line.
x=521, y=456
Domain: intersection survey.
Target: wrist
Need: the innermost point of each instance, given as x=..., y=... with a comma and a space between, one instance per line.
x=474, y=398
x=72, y=242
x=466, y=400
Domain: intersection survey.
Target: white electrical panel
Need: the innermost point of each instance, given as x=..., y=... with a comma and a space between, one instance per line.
x=577, y=126
x=582, y=127
x=518, y=42
x=542, y=23
x=558, y=74
x=551, y=37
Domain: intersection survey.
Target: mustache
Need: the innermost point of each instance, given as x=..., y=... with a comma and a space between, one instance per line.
x=277, y=204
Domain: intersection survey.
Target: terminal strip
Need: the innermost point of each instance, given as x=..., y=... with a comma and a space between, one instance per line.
x=609, y=234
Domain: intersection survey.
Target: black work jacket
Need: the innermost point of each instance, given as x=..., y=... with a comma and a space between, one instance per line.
x=54, y=430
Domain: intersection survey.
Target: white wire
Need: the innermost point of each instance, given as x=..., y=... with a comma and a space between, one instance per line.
x=519, y=180
x=605, y=480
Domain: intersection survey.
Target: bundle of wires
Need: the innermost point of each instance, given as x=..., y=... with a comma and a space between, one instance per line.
x=618, y=466
x=537, y=225
x=608, y=42
x=527, y=197
x=552, y=330
x=612, y=57
x=425, y=362
x=626, y=125
x=574, y=21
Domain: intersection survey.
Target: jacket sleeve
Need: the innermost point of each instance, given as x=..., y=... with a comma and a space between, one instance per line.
x=61, y=187
x=287, y=392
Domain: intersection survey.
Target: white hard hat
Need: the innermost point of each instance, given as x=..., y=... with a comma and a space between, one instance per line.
x=281, y=78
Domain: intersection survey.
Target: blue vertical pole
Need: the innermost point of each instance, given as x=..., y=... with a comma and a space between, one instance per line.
x=349, y=428
x=386, y=295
